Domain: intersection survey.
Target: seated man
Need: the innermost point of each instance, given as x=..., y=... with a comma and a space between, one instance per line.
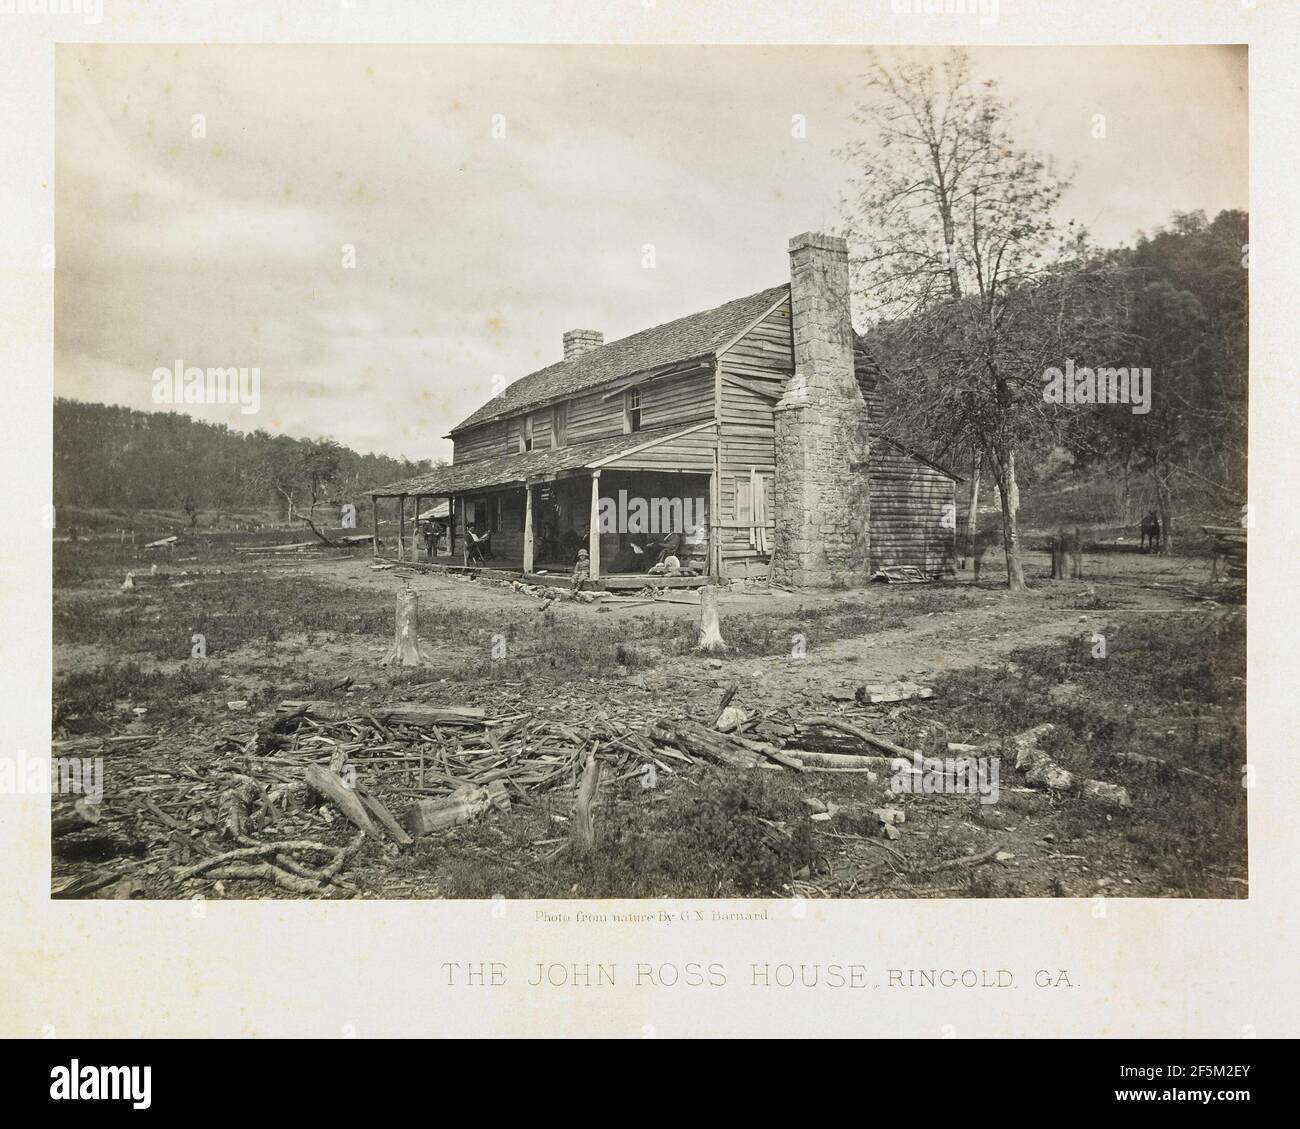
x=478, y=546
x=670, y=546
x=639, y=555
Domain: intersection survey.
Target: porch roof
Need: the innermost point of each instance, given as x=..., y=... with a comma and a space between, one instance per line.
x=506, y=470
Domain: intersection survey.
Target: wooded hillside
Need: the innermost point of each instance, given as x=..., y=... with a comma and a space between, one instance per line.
x=119, y=458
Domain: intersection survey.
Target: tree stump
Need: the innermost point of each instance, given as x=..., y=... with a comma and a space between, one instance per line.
x=710, y=634
x=405, y=650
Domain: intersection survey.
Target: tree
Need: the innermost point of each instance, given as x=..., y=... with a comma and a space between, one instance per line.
x=954, y=227
x=1181, y=300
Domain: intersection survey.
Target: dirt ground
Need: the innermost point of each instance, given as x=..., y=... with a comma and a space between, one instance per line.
x=798, y=655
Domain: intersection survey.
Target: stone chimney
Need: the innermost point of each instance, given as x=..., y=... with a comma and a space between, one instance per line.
x=579, y=341
x=822, y=509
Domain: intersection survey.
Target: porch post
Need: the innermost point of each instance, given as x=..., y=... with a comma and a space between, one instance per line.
x=715, y=540
x=374, y=523
x=528, y=528
x=451, y=525
x=593, y=534
x=401, y=527
x=415, y=529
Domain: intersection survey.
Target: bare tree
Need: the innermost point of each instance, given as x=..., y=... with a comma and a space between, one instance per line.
x=953, y=230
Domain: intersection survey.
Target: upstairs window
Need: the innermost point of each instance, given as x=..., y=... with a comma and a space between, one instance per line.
x=559, y=425
x=632, y=410
x=526, y=433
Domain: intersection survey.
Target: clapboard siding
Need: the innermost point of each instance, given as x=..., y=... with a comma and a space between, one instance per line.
x=764, y=360
x=486, y=442
x=693, y=453
x=913, y=511
x=593, y=417
x=685, y=398
x=679, y=399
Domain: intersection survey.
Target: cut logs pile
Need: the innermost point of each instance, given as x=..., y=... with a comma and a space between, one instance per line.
x=252, y=808
x=296, y=801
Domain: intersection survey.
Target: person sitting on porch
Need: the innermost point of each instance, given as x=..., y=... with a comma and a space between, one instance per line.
x=479, y=545
x=670, y=546
x=581, y=570
x=639, y=555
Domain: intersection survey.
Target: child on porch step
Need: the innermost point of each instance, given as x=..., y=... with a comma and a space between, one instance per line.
x=581, y=570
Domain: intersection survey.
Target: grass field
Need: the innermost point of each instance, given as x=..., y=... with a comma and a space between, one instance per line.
x=1170, y=687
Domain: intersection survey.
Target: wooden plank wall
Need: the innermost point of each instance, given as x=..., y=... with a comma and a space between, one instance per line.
x=909, y=501
x=692, y=453
x=764, y=357
x=665, y=401
x=486, y=442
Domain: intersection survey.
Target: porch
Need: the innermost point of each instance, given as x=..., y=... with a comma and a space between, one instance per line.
x=533, y=526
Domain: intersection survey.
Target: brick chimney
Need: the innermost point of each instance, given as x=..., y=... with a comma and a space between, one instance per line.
x=822, y=446
x=579, y=341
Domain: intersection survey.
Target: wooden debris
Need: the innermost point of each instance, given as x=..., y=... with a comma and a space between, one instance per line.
x=331, y=786
x=375, y=806
x=1043, y=772
x=586, y=795
x=699, y=741
x=464, y=804
x=75, y=815
x=403, y=713
x=881, y=693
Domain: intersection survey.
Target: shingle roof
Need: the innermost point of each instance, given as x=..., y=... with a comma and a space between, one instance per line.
x=695, y=336
x=506, y=469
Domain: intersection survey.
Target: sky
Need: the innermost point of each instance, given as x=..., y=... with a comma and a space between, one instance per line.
x=497, y=196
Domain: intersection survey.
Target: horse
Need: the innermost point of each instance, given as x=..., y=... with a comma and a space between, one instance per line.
x=1153, y=533
x=1067, y=542
x=983, y=540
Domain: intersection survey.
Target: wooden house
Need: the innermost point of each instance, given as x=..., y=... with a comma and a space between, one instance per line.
x=739, y=438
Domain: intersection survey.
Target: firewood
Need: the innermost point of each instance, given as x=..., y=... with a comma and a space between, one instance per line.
x=329, y=785
x=463, y=805
x=402, y=713
x=861, y=734
x=726, y=701
x=893, y=692
x=699, y=741
x=377, y=809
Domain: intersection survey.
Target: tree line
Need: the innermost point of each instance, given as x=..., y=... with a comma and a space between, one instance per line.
x=118, y=458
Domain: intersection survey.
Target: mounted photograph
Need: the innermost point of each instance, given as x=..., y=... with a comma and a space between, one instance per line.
x=513, y=472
